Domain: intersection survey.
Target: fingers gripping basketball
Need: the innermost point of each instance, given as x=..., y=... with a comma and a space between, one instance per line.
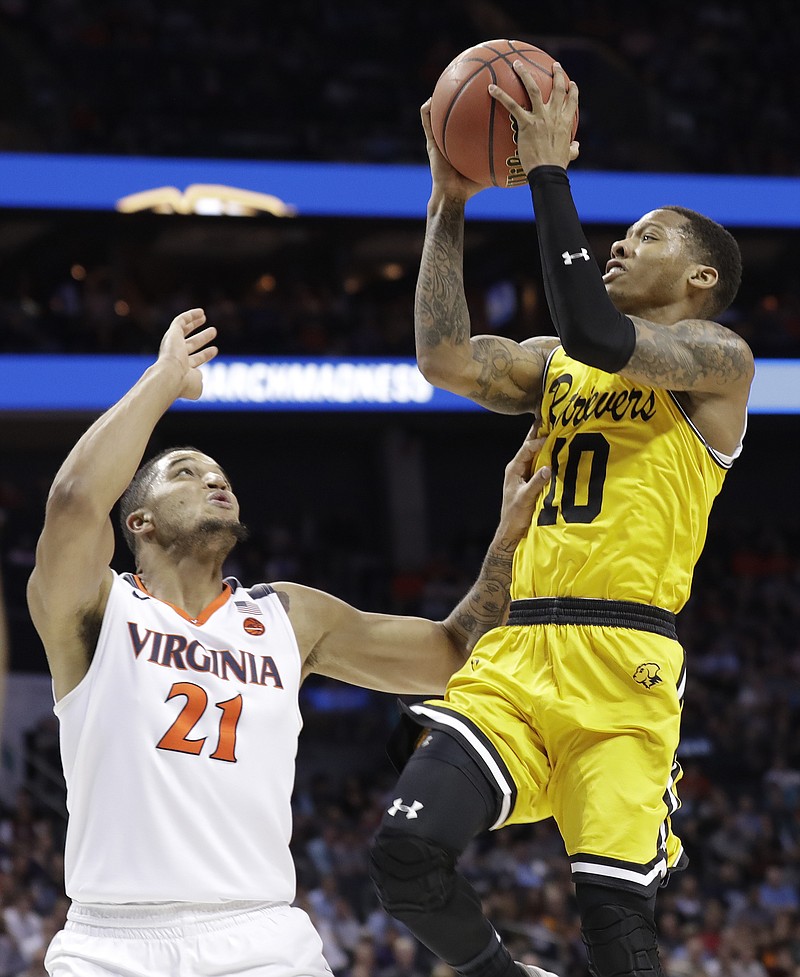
x=473, y=131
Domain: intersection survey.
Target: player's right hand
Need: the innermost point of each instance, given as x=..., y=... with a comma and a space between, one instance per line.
x=188, y=349
x=522, y=485
x=446, y=178
x=544, y=132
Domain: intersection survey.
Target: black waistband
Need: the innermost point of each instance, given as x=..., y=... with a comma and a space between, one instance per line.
x=589, y=611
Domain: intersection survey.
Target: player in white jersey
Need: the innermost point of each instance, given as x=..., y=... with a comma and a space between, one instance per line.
x=177, y=694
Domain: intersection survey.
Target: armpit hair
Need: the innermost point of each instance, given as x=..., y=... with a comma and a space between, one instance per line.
x=89, y=630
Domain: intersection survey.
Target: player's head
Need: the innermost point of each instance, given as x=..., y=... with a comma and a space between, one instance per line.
x=676, y=255
x=711, y=244
x=180, y=500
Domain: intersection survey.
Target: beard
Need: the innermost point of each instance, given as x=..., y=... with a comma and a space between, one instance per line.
x=215, y=534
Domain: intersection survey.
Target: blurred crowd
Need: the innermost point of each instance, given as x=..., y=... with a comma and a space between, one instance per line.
x=708, y=86
x=697, y=87
x=734, y=913
x=309, y=299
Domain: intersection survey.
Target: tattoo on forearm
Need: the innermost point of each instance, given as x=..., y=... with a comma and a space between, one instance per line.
x=442, y=325
x=440, y=309
x=486, y=605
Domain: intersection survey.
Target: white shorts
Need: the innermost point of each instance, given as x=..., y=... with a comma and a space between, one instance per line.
x=187, y=940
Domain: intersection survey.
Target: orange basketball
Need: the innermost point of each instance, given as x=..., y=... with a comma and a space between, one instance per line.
x=473, y=131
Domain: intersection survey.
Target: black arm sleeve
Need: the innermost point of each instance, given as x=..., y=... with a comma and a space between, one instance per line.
x=590, y=328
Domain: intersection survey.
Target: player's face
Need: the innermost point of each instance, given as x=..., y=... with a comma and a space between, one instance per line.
x=648, y=268
x=190, y=490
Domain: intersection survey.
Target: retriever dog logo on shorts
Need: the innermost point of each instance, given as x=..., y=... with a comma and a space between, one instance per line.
x=647, y=675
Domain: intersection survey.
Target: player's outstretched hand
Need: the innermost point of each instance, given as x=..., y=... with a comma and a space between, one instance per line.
x=446, y=178
x=522, y=485
x=544, y=133
x=190, y=349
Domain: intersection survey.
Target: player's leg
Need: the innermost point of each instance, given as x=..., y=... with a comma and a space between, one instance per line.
x=442, y=800
x=619, y=931
x=621, y=759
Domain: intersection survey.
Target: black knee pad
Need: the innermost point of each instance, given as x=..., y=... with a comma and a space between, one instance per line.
x=411, y=875
x=620, y=941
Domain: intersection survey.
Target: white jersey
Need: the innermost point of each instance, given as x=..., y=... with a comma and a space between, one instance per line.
x=179, y=748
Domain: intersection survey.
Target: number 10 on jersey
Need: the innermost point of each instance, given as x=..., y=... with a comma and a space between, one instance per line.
x=584, y=464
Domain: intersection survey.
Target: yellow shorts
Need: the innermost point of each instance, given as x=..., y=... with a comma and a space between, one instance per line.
x=581, y=723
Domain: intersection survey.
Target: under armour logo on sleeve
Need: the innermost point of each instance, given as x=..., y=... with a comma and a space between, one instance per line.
x=569, y=258
x=410, y=810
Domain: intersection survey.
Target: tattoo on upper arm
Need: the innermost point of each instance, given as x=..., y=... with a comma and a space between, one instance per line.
x=689, y=355
x=501, y=366
x=283, y=597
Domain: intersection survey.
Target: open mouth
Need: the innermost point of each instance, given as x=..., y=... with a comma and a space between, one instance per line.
x=220, y=499
x=613, y=270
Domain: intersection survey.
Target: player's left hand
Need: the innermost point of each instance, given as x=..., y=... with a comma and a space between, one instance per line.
x=522, y=485
x=189, y=349
x=544, y=132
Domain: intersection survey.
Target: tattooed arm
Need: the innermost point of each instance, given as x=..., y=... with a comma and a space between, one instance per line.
x=693, y=355
x=486, y=605
x=498, y=373
x=412, y=654
x=495, y=372
x=708, y=367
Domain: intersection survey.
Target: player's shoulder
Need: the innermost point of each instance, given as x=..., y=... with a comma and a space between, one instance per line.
x=295, y=597
x=541, y=345
x=713, y=328
x=315, y=611
x=733, y=339
x=300, y=602
x=312, y=613
x=700, y=332
x=722, y=349
x=248, y=594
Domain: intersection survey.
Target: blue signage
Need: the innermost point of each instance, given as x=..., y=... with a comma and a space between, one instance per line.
x=285, y=189
x=44, y=382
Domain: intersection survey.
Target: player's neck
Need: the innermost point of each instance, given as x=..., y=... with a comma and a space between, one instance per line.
x=669, y=313
x=189, y=584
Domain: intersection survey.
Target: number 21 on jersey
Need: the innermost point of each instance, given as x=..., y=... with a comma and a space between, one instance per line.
x=177, y=737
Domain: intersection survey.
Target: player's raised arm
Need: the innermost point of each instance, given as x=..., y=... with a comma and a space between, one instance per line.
x=415, y=655
x=69, y=585
x=649, y=318
x=496, y=372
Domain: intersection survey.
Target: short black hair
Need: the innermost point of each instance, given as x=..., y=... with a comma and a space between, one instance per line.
x=135, y=495
x=715, y=246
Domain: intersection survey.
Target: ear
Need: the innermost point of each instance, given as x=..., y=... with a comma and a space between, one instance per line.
x=703, y=276
x=140, y=522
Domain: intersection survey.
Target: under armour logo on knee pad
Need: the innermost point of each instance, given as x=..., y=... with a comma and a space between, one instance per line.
x=569, y=258
x=410, y=810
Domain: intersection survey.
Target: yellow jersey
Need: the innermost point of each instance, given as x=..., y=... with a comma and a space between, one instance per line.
x=626, y=512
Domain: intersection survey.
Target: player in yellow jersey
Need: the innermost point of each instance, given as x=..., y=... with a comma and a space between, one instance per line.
x=573, y=708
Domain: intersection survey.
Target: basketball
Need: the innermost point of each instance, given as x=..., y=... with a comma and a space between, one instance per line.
x=474, y=132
